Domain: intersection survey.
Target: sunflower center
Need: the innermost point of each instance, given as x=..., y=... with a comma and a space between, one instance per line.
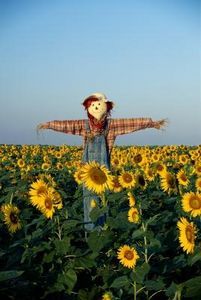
x=127, y=178
x=116, y=161
x=134, y=215
x=189, y=234
x=129, y=254
x=98, y=176
x=48, y=203
x=171, y=181
x=138, y=158
x=160, y=168
x=183, y=177
x=116, y=183
x=195, y=203
x=13, y=218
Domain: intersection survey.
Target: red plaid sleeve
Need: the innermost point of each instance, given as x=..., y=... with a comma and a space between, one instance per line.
x=123, y=126
x=68, y=126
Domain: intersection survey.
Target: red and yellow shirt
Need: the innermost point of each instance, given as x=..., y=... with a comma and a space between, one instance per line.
x=115, y=127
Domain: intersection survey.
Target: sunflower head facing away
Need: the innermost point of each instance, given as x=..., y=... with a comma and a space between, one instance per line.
x=128, y=256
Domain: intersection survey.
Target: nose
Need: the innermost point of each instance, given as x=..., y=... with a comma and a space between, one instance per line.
x=96, y=107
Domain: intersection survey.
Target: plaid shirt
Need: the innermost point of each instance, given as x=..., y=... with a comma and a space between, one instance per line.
x=115, y=127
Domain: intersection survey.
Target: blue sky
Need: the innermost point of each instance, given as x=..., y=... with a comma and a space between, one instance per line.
x=145, y=55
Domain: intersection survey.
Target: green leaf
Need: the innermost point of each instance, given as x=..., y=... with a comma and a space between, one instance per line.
x=141, y=272
x=62, y=246
x=154, y=244
x=48, y=257
x=97, y=241
x=120, y=282
x=70, y=223
x=173, y=289
x=71, y=279
x=192, y=287
x=6, y=275
x=193, y=259
x=137, y=233
x=154, y=285
x=85, y=262
x=98, y=212
x=153, y=220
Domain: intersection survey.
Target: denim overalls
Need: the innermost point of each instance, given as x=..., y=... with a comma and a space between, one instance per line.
x=95, y=150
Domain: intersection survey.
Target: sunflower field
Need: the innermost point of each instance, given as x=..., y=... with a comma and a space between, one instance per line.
x=149, y=246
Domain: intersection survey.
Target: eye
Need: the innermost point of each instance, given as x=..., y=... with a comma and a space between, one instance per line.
x=98, y=103
x=93, y=104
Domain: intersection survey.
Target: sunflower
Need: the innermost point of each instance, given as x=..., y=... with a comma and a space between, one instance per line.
x=127, y=256
x=139, y=159
x=182, y=178
x=58, y=154
x=46, y=205
x=21, y=163
x=133, y=215
x=184, y=159
x=126, y=179
x=168, y=183
x=191, y=202
x=116, y=186
x=115, y=162
x=131, y=199
x=160, y=168
x=78, y=175
x=37, y=189
x=46, y=166
x=107, y=296
x=187, y=235
x=198, y=169
x=155, y=157
x=93, y=203
x=141, y=181
x=11, y=218
x=59, y=166
x=49, y=201
x=96, y=177
x=150, y=173
x=198, y=184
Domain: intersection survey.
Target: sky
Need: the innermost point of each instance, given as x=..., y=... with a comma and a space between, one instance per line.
x=145, y=55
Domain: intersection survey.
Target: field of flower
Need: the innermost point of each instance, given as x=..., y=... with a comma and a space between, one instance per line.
x=148, y=248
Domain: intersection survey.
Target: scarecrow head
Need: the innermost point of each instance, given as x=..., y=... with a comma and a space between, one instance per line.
x=97, y=106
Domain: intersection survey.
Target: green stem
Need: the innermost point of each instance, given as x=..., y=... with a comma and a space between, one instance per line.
x=59, y=229
x=145, y=243
x=11, y=198
x=134, y=289
x=144, y=227
x=103, y=199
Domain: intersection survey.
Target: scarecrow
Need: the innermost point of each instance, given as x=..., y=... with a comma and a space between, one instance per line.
x=99, y=132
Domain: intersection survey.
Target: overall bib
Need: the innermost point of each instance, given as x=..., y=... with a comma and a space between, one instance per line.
x=95, y=150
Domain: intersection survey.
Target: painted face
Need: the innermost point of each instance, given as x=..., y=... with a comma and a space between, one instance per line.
x=98, y=109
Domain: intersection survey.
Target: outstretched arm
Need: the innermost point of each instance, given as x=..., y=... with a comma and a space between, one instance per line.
x=123, y=126
x=68, y=126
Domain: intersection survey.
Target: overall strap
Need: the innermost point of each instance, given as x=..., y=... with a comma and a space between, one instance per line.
x=87, y=126
x=107, y=128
